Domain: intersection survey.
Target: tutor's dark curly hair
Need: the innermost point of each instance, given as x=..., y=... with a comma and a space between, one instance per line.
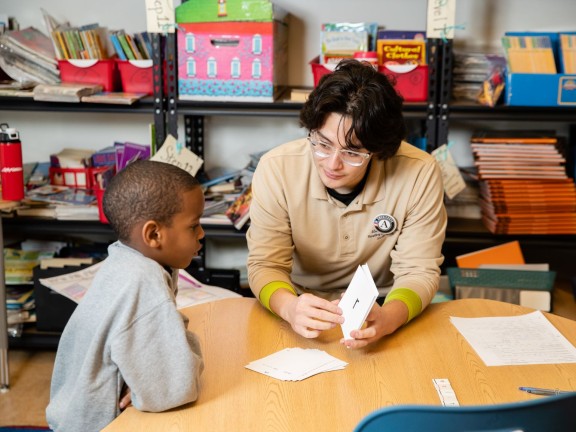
x=356, y=90
x=145, y=190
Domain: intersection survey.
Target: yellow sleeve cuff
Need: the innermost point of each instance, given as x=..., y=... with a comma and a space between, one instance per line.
x=409, y=298
x=270, y=289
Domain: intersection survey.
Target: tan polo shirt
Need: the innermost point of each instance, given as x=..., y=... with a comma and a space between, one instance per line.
x=300, y=235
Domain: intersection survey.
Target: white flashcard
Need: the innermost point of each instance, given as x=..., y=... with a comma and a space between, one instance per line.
x=358, y=300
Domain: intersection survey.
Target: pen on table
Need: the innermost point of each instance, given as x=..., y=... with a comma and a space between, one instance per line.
x=542, y=391
x=187, y=279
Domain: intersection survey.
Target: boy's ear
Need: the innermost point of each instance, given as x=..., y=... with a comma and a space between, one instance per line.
x=151, y=234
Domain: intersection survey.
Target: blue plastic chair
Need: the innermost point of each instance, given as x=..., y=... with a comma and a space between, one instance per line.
x=546, y=414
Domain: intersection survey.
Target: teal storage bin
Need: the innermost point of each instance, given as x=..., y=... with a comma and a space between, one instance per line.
x=523, y=287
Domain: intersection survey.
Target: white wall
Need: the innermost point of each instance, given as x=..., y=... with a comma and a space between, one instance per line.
x=229, y=139
x=482, y=24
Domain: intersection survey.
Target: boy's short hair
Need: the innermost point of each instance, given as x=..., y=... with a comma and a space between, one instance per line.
x=356, y=90
x=145, y=190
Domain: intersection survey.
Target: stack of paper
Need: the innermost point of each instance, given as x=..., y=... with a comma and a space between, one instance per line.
x=296, y=364
x=524, y=188
x=516, y=340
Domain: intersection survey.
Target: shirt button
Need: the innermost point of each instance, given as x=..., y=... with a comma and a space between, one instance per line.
x=346, y=237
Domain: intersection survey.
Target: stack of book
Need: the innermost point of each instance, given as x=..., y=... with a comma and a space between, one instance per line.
x=524, y=188
x=478, y=77
x=529, y=54
x=28, y=55
x=228, y=194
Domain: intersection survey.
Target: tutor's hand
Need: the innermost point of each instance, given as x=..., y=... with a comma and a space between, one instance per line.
x=308, y=314
x=381, y=321
x=125, y=398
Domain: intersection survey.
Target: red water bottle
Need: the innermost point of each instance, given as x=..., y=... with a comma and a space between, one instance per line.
x=11, y=172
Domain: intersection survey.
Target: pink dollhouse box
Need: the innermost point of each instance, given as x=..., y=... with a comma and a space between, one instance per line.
x=231, y=50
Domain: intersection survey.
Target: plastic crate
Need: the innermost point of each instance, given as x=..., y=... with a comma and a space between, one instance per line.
x=412, y=85
x=525, y=288
x=79, y=178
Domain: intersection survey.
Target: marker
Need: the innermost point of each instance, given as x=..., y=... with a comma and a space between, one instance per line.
x=187, y=279
x=542, y=391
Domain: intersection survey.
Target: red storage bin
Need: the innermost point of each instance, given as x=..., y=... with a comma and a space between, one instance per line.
x=136, y=76
x=101, y=72
x=410, y=82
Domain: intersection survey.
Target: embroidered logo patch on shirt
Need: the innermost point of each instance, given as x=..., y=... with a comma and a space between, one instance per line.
x=385, y=223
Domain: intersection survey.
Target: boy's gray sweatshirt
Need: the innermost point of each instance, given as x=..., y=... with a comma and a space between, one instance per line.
x=126, y=330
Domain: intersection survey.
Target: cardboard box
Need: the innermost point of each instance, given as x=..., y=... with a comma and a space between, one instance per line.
x=101, y=72
x=527, y=288
x=136, y=76
x=540, y=90
x=534, y=89
x=231, y=51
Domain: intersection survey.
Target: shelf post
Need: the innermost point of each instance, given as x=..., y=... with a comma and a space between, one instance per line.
x=158, y=86
x=439, y=91
x=433, y=56
x=444, y=91
x=171, y=76
x=4, y=369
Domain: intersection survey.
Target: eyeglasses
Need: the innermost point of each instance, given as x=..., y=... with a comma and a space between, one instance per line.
x=325, y=150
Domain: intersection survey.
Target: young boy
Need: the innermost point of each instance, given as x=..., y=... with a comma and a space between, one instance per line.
x=126, y=340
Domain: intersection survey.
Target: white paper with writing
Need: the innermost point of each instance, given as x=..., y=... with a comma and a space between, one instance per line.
x=191, y=292
x=172, y=153
x=358, y=300
x=453, y=181
x=516, y=340
x=160, y=17
x=441, y=17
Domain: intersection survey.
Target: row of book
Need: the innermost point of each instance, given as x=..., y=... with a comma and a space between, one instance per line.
x=229, y=194
x=131, y=47
x=524, y=188
x=30, y=57
x=92, y=42
x=536, y=53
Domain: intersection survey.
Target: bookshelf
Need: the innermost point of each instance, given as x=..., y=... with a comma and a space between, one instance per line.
x=435, y=117
x=463, y=236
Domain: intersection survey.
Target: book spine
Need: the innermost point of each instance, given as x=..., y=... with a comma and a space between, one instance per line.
x=125, y=46
x=117, y=46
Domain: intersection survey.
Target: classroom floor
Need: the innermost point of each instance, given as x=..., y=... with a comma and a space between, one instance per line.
x=30, y=372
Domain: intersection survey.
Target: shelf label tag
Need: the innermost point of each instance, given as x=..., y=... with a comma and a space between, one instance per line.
x=453, y=181
x=441, y=17
x=172, y=153
x=160, y=16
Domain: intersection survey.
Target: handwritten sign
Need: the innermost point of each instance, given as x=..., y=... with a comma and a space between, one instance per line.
x=160, y=16
x=453, y=181
x=171, y=152
x=441, y=17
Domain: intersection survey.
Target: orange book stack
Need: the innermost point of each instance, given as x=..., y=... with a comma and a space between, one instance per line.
x=524, y=188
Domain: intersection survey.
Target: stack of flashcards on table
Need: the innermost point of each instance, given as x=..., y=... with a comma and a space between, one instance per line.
x=529, y=54
x=296, y=364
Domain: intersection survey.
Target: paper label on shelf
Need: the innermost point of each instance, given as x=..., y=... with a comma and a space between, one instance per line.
x=453, y=181
x=441, y=16
x=160, y=16
x=173, y=153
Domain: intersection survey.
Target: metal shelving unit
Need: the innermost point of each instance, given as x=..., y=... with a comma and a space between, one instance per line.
x=434, y=114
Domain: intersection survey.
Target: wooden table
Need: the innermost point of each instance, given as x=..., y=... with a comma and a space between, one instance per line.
x=397, y=370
